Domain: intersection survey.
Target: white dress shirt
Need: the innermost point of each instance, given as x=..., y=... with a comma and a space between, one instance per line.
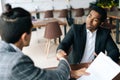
x=88, y=55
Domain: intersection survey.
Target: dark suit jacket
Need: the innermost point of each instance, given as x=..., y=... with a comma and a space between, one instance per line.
x=14, y=65
x=77, y=38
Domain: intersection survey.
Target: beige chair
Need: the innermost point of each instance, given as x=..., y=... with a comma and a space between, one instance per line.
x=49, y=14
x=63, y=15
x=78, y=16
x=52, y=31
x=114, y=8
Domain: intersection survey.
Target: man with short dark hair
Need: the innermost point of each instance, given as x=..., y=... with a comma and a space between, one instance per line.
x=15, y=31
x=8, y=7
x=89, y=39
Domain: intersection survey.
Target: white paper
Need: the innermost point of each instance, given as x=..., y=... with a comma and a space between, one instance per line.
x=102, y=68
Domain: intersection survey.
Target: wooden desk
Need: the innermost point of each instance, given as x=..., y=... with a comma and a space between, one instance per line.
x=78, y=66
x=74, y=66
x=115, y=15
x=43, y=23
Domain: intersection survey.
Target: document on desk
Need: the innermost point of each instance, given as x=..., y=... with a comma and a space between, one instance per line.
x=102, y=68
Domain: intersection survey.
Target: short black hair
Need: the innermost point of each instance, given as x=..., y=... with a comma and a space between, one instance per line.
x=13, y=25
x=101, y=11
x=8, y=7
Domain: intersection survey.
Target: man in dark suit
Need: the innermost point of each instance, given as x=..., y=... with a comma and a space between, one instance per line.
x=88, y=40
x=15, y=31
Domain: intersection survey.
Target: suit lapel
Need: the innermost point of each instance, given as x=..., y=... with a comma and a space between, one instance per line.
x=97, y=43
x=82, y=40
x=84, y=37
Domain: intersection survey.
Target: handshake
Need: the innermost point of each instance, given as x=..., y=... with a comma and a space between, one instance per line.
x=74, y=73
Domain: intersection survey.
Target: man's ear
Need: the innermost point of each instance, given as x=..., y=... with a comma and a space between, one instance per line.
x=24, y=37
x=102, y=23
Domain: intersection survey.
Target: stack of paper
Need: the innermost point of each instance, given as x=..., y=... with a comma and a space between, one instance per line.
x=102, y=68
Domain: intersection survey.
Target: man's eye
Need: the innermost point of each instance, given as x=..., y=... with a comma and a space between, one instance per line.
x=96, y=20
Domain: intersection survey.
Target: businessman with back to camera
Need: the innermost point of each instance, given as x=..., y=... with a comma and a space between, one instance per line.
x=15, y=31
x=8, y=7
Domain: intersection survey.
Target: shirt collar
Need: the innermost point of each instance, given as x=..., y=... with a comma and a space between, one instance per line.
x=16, y=48
x=88, y=31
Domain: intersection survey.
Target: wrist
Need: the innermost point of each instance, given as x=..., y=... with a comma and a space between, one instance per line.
x=60, y=51
x=61, y=54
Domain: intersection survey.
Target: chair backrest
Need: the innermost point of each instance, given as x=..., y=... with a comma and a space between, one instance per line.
x=79, y=12
x=49, y=14
x=63, y=13
x=52, y=30
x=114, y=9
x=108, y=25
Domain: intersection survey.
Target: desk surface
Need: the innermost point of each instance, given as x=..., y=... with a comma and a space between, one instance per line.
x=114, y=14
x=43, y=23
x=78, y=66
x=43, y=11
x=74, y=66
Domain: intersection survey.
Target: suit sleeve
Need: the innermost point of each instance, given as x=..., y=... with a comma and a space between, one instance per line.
x=67, y=41
x=112, y=49
x=25, y=70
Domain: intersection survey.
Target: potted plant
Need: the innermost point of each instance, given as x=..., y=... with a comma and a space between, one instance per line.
x=107, y=4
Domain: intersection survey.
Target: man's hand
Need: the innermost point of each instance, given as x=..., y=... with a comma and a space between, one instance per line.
x=95, y=54
x=61, y=54
x=78, y=73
